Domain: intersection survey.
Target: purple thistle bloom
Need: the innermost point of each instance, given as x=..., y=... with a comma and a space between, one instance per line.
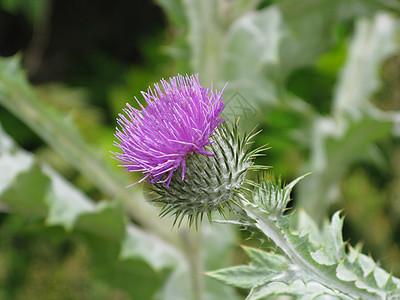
x=177, y=122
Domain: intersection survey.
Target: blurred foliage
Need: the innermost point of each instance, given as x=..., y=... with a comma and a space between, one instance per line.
x=319, y=77
x=39, y=262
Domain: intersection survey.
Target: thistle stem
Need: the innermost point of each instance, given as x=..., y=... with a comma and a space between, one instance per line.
x=191, y=243
x=299, y=258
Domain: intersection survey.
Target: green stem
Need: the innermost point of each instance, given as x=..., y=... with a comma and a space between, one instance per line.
x=191, y=244
x=319, y=274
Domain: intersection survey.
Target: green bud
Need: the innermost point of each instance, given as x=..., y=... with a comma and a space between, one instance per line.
x=271, y=196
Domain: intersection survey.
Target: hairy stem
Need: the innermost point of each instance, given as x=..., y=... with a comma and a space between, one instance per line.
x=318, y=273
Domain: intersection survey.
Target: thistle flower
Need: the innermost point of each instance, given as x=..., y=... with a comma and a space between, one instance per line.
x=196, y=164
x=176, y=123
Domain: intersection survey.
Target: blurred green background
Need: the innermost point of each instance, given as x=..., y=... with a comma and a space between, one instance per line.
x=320, y=78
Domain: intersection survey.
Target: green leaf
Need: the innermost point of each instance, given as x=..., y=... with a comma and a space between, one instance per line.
x=250, y=51
x=104, y=230
x=252, y=42
x=269, y=260
x=133, y=276
x=244, y=276
x=107, y=220
x=204, y=37
x=264, y=267
x=332, y=252
x=312, y=24
x=338, y=273
x=307, y=226
x=297, y=289
x=346, y=272
x=65, y=202
x=334, y=244
x=147, y=246
x=373, y=43
x=26, y=193
x=11, y=164
x=20, y=179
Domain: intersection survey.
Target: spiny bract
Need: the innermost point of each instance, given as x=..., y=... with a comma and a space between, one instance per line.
x=211, y=183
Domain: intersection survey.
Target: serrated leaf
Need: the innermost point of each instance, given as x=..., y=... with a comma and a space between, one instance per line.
x=264, y=267
x=367, y=264
x=345, y=271
x=297, y=288
x=322, y=257
x=321, y=267
x=307, y=226
x=381, y=277
x=334, y=245
x=244, y=276
x=263, y=259
x=368, y=283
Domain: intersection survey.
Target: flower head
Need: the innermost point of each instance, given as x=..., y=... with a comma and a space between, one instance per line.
x=177, y=122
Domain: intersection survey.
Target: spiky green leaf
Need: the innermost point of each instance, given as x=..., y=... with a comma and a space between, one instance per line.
x=309, y=268
x=264, y=267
